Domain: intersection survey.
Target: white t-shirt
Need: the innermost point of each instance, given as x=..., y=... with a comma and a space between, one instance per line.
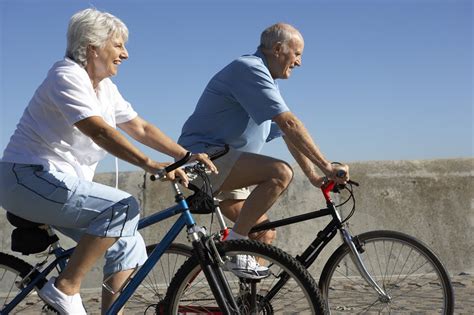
x=46, y=134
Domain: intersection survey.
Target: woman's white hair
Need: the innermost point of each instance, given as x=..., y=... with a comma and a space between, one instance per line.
x=94, y=28
x=279, y=32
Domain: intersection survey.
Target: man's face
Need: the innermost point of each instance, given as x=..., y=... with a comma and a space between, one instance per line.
x=288, y=57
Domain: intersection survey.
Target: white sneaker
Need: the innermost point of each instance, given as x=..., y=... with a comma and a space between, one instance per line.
x=64, y=304
x=245, y=266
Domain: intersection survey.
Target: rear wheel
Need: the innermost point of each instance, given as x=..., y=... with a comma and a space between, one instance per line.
x=403, y=267
x=149, y=296
x=12, y=280
x=189, y=292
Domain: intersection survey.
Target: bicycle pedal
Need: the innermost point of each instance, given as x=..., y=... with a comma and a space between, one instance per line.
x=249, y=281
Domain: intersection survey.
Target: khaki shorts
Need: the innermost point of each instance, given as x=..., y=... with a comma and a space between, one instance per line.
x=224, y=165
x=236, y=194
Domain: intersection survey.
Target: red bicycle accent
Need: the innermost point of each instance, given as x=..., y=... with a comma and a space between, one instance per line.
x=326, y=189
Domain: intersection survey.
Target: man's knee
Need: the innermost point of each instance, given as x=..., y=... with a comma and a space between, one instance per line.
x=284, y=173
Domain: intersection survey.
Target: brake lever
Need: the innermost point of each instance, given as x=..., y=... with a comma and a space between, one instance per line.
x=337, y=188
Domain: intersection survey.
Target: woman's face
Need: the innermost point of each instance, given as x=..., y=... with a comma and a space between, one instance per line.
x=107, y=59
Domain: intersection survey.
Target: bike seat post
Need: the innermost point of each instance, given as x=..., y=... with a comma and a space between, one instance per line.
x=51, y=232
x=220, y=219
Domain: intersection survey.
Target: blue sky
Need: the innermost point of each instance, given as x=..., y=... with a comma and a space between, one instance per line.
x=380, y=80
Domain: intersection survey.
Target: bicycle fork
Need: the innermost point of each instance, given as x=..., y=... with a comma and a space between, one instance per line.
x=212, y=271
x=357, y=259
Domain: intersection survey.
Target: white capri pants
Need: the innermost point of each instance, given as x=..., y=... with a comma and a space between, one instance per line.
x=75, y=206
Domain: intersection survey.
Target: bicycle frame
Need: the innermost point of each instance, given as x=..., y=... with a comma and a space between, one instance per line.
x=323, y=237
x=185, y=220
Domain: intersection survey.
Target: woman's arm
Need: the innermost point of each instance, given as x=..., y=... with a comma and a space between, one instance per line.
x=148, y=134
x=115, y=143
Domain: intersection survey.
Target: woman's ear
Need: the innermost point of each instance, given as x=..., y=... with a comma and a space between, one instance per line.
x=92, y=51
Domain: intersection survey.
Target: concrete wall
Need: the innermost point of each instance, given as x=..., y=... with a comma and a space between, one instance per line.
x=432, y=200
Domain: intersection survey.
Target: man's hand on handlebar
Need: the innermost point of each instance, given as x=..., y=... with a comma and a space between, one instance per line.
x=339, y=173
x=204, y=159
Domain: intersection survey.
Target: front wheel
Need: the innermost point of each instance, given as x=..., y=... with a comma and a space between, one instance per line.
x=148, y=298
x=288, y=289
x=403, y=267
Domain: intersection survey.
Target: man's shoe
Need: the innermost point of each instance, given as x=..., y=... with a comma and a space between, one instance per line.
x=64, y=304
x=245, y=266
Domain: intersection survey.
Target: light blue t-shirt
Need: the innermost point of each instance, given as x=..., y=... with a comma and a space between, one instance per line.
x=236, y=108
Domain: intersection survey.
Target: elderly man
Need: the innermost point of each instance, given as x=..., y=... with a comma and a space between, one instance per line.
x=242, y=106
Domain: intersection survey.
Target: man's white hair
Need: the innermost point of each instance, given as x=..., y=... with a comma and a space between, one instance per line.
x=279, y=32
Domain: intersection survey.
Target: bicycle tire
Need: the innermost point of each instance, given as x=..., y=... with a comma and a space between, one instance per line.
x=403, y=266
x=12, y=271
x=150, y=294
x=189, y=291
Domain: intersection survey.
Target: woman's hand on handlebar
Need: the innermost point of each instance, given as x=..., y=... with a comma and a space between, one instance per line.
x=204, y=159
x=158, y=168
x=168, y=171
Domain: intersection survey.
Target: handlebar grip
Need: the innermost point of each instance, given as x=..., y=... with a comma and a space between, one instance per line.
x=178, y=163
x=171, y=167
x=153, y=177
x=353, y=183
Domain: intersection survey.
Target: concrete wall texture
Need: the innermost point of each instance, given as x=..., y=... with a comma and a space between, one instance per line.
x=432, y=200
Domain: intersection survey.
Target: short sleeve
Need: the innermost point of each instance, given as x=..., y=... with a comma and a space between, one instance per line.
x=72, y=94
x=257, y=93
x=123, y=109
x=275, y=132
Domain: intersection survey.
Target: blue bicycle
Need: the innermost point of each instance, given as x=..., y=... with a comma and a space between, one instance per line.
x=215, y=290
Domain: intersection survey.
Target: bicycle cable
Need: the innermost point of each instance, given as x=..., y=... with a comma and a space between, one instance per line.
x=351, y=197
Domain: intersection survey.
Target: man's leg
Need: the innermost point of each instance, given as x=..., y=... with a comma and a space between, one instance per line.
x=270, y=176
x=231, y=209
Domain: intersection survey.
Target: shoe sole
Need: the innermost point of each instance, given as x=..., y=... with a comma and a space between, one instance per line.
x=51, y=305
x=248, y=276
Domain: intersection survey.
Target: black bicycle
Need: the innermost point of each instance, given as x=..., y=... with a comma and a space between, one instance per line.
x=382, y=272
x=224, y=292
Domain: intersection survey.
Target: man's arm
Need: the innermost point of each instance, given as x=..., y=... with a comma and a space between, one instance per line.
x=303, y=148
x=306, y=165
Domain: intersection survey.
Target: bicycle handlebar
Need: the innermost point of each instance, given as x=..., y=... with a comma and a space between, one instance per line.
x=331, y=186
x=162, y=173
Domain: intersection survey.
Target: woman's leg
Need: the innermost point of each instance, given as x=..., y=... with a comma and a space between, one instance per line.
x=121, y=260
x=115, y=282
x=95, y=215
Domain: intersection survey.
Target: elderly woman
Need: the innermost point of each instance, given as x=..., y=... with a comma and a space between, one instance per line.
x=68, y=127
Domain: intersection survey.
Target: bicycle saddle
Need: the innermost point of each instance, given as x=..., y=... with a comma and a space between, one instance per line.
x=28, y=237
x=20, y=222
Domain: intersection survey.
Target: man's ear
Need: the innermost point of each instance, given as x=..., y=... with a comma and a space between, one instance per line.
x=277, y=49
